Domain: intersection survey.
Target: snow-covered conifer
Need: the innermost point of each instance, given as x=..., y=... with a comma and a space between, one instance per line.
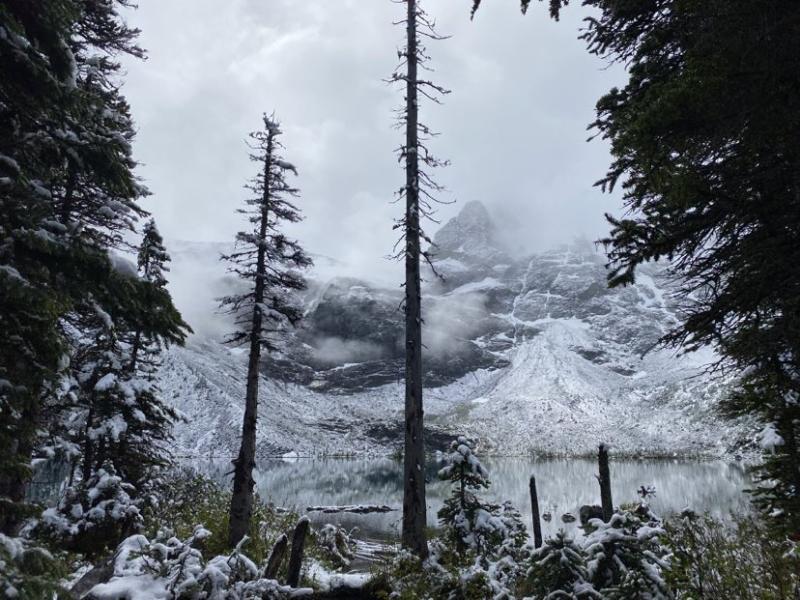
x=268, y=262
x=68, y=195
x=93, y=516
x=152, y=263
x=152, y=258
x=490, y=531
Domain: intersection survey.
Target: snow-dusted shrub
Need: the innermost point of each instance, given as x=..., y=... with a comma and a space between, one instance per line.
x=625, y=558
x=172, y=569
x=28, y=572
x=180, y=499
x=558, y=571
x=93, y=515
x=336, y=544
x=447, y=575
x=746, y=559
x=622, y=559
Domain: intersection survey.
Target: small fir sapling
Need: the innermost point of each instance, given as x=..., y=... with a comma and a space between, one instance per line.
x=625, y=558
x=490, y=530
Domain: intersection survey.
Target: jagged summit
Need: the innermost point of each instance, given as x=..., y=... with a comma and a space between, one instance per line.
x=471, y=235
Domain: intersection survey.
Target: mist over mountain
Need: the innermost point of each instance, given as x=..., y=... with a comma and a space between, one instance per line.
x=530, y=354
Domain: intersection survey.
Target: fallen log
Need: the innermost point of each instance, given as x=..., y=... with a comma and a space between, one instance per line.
x=360, y=509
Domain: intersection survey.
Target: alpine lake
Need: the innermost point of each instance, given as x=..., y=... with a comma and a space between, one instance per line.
x=564, y=485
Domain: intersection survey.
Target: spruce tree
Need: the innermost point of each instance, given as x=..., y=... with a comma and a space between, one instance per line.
x=34, y=76
x=419, y=193
x=67, y=196
x=558, y=570
x=268, y=262
x=152, y=259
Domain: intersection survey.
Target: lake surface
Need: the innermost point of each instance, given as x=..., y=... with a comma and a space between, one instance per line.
x=564, y=485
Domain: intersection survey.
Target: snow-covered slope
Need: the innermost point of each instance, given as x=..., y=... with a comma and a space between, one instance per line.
x=526, y=355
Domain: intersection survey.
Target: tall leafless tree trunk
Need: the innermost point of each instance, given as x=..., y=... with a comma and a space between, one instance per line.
x=245, y=463
x=414, y=507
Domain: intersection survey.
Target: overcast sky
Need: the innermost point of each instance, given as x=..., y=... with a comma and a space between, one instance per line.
x=514, y=126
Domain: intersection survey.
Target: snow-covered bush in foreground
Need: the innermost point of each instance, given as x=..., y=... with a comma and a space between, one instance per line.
x=180, y=499
x=622, y=559
x=746, y=559
x=625, y=559
x=481, y=549
x=93, y=516
x=27, y=572
x=336, y=542
x=171, y=569
x=559, y=570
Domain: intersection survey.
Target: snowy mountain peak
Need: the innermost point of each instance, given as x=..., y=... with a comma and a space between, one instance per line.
x=471, y=235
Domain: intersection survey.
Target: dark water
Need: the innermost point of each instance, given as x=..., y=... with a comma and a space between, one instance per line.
x=564, y=485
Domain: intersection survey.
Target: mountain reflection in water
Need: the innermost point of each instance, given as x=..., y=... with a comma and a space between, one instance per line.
x=564, y=485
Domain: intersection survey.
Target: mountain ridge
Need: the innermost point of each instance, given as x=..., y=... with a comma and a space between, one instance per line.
x=526, y=355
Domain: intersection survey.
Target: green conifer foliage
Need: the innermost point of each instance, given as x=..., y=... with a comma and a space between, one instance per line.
x=68, y=195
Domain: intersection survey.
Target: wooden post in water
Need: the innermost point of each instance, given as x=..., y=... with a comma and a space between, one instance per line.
x=605, y=484
x=537, y=525
x=296, y=557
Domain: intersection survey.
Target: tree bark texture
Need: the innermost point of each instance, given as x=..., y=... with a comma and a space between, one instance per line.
x=414, y=507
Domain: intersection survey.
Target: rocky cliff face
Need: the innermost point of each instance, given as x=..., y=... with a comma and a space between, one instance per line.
x=531, y=354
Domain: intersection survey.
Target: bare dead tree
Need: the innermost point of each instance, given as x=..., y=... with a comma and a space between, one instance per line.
x=420, y=194
x=268, y=262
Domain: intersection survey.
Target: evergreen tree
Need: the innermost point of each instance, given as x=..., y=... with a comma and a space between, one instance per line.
x=67, y=196
x=419, y=191
x=489, y=530
x=112, y=413
x=481, y=541
x=704, y=139
x=152, y=260
x=94, y=517
x=35, y=76
x=267, y=261
x=464, y=470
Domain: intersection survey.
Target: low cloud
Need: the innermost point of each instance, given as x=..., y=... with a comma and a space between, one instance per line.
x=452, y=320
x=332, y=351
